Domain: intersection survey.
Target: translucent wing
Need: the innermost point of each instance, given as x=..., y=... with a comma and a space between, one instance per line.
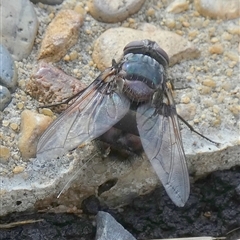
x=95, y=111
x=161, y=140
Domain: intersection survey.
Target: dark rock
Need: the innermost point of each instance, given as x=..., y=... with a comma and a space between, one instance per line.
x=49, y=2
x=91, y=205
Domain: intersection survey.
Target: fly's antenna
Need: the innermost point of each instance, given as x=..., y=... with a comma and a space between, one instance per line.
x=75, y=174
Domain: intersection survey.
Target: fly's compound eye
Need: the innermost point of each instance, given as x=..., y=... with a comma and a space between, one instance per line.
x=148, y=47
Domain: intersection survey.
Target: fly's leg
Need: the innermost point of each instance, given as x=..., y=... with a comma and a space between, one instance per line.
x=193, y=130
x=63, y=102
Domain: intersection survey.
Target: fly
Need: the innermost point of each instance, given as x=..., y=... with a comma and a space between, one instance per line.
x=134, y=88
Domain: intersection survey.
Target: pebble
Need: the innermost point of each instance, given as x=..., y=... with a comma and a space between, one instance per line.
x=232, y=56
x=14, y=126
x=5, y=97
x=61, y=34
x=18, y=169
x=113, y=11
x=4, y=153
x=111, y=43
x=32, y=127
x=51, y=85
x=8, y=72
x=19, y=28
x=223, y=9
x=178, y=6
x=209, y=83
x=49, y=2
x=216, y=48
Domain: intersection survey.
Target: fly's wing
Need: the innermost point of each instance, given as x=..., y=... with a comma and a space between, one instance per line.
x=161, y=140
x=95, y=111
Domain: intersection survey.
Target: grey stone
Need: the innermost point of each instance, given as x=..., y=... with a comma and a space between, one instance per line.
x=8, y=73
x=19, y=27
x=113, y=11
x=5, y=97
x=49, y=2
x=108, y=228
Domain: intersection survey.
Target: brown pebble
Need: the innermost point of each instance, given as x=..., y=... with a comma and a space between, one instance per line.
x=32, y=127
x=209, y=83
x=61, y=34
x=14, y=126
x=232, y=56
x=18, y=169
x=216, y=49
x=4, y=153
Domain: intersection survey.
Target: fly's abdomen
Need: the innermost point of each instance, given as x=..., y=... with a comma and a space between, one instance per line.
x=142, y=76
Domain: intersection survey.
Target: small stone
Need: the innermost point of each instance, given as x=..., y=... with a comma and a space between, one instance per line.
x=209, y=83
x=232, y=56
x=5, y=97
x=111, y=43
x=223, y=9
x=18, y=169
x=49, y=2
x=113, y=11
x=205, y=90
x=4, y=153
x=234, y=29
x=170, y=23
x=227, y=36
x=14, y=126
x=19, y=27
x=216, y=49
x=46, y=112
x=150, y=12
x=108, y=228
x=5, y=123
x=73, y=55
x=8, y=71
x=229, y=72
x=61, y=35
x=20, y=105
x=32, y=127
x=214, y=40
x=51, y=85
x=178, y=6
x=79, y=9
x=185, y=99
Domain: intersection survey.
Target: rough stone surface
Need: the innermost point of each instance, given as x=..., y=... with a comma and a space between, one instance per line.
x=113, y=11
x=224, y=9
x=19, y=27
x=110, y=44
x=32, y=126
x=61, y=34
x=108, y=228
x=213, y=210
x=5, y=97
x=8, y=71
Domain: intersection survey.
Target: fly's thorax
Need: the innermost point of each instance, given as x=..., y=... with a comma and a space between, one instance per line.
x=141, y=75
